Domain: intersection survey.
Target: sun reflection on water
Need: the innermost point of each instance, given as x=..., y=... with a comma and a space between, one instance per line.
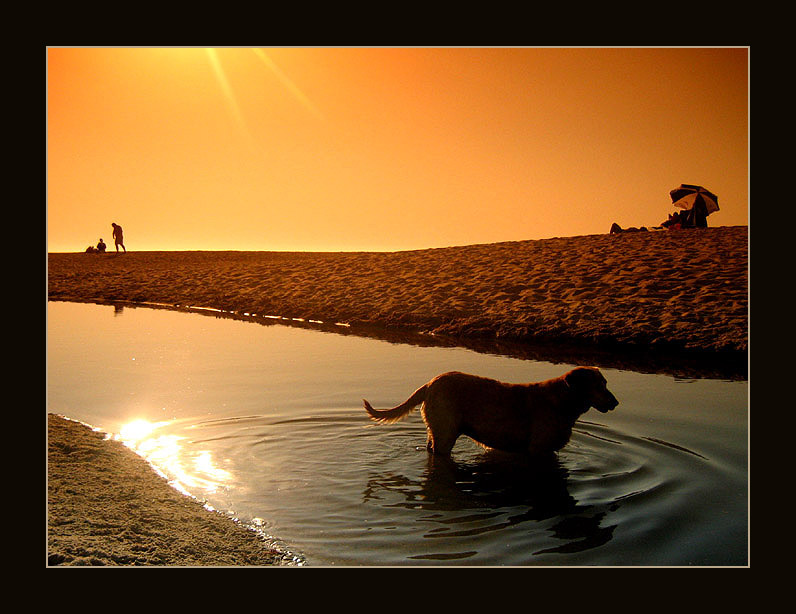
x=135, y=431
x=188, y=471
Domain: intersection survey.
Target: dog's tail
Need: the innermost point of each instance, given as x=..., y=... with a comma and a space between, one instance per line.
x=387, y=416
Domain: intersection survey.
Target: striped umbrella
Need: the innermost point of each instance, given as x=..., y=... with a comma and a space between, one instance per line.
x=688, y=196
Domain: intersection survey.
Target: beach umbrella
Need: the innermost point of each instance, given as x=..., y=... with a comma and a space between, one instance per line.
x=687, y=196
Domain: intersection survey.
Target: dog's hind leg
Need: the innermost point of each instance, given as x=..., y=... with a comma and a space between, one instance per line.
x=440, y=444
x=441, y=435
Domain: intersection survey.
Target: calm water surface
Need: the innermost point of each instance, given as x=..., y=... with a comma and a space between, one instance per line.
x=265, y=423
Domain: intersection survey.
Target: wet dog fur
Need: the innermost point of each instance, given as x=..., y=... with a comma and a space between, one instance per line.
x=534, y=418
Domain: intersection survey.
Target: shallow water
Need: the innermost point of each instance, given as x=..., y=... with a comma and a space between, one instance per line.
x=266, y=423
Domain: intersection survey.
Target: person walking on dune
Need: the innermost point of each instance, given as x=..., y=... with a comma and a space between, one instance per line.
x=118, y=237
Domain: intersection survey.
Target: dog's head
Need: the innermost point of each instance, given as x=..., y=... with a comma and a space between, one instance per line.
x=592, y=388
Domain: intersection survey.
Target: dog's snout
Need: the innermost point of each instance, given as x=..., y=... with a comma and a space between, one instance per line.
x=607, y=403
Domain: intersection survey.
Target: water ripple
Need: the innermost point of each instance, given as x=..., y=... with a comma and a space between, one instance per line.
x=388, y=500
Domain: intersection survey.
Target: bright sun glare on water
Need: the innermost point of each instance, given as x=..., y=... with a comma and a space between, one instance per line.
x=135, y=431
x=188, y=471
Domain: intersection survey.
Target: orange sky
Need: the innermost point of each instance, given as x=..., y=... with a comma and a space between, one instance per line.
x=385, y=148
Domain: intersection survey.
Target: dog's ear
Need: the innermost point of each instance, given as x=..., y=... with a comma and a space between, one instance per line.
x=575, y=378
x=581, y=378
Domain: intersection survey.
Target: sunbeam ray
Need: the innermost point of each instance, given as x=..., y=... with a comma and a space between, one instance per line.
x=292, y=87
x=227, y=89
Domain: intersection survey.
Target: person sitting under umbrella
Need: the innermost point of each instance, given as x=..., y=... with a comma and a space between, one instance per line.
x=697, y=204
x=695, y=217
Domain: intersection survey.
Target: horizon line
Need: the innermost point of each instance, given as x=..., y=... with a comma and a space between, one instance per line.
x=382, y=250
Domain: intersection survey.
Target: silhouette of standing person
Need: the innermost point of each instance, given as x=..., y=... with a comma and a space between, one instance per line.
x=118, y=237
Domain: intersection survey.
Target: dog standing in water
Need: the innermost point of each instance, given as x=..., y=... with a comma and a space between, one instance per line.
x=535, y=418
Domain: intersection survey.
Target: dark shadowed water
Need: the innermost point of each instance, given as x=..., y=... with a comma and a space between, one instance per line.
x=266, y=423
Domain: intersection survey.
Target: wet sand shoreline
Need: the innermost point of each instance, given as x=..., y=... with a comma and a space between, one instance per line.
x=107, y=506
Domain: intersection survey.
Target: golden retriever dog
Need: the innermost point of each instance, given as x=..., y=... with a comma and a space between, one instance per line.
x=533, y=418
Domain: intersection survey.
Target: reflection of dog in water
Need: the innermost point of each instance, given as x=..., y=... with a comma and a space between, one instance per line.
x=535, y=418
x=494, y=492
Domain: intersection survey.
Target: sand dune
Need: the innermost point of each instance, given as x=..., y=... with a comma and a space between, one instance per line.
x=675, y=289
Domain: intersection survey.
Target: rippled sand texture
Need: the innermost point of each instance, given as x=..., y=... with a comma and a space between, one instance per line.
x=674, y=289
x=107, y=506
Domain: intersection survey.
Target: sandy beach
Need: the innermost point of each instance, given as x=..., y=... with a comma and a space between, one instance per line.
x=108, y=506
x=674, y=289
x=658, y=291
